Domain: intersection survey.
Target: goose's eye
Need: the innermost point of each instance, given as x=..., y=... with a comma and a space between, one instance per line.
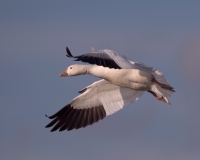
x=70, y=68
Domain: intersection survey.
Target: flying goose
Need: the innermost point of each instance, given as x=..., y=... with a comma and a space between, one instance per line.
x=123, y=82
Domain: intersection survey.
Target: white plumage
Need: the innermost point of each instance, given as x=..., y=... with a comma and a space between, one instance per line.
x=123, y=82
x=111, y=96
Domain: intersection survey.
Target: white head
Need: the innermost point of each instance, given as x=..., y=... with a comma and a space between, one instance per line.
x=74, y=70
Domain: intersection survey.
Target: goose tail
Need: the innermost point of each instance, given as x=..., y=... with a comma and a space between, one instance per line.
x=161, y=91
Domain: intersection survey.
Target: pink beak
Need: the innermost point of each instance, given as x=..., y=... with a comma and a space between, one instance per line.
x=63, y=74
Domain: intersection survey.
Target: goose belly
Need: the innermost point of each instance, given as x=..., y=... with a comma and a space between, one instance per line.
x=131, y=78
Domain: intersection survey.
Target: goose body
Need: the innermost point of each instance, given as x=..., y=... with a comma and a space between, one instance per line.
x=130, y=78
x=123, y=82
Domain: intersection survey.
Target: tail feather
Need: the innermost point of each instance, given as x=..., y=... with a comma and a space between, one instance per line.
x=160, y=88
x=168, y=87
x=161, y=91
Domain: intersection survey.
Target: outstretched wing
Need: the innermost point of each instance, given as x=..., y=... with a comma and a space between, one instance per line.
x=95, y=102
x=106, y=58
x=109, y=58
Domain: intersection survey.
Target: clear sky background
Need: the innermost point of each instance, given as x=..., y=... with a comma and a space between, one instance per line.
x=33, y=37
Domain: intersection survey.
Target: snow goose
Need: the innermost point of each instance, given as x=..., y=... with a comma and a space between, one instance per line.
x=123, y=82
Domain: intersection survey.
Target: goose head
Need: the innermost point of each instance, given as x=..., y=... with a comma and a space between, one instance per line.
x=74, y=70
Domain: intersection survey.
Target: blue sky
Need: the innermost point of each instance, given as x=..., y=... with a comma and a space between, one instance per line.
x=161, y=34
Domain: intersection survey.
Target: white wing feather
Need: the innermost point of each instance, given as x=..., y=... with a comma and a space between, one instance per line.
x=112, y=97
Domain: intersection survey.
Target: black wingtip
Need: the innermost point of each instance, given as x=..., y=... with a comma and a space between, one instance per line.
x=69, y=54
x=51, y=117
x=83, y=90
